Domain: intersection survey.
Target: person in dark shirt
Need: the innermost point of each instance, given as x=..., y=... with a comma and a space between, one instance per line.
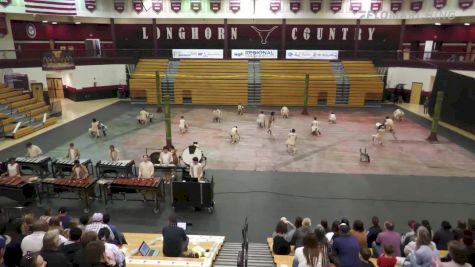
x=73, y=245
x=443, y=236
x=373, y=231
x=346, y=248
x=50, y=251
x=280, y=244
x=79, y=259
x=64, y=217
x=175, y=241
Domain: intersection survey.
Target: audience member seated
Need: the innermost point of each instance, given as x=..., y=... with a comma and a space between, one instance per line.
x=95, y=253
x=27, y=222
x=373, y=231
x=458, y=254
x=50, y=250
x=301, y=232
x=388, y=237
x=33, y=260
x=64, y=217
x=119, y=237
x=426, y=224
x=387, y=259
x=97, y=224
x=70, y=247
x=79, y=259
x=175, y=241
x=346, y=248
x=411, y=247
x=310, y=255
x=324, y=224
x=112, y=251
x=55, y=224
x=424, y=253
x=324, y=245
x=333, y=231
x=470, y=246
x=13, y=253
x=34, y=241
x=443, y=236
x=84, y=221
x=365, y=254
x=282, y=237
x=359, y=232
x=2, y=251
x=409, y=236
x=46, y=215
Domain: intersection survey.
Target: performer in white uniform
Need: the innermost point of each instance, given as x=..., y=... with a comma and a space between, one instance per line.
x=261, y=119
x=94, y=130
x=217, y=115
x=166, y=159
x=332, y=118
x=146, y=168
x=183, y=126
x=398, y=115
x=13, y=169
x=291, y=142
x=234, y=135
x=316, y=127
x=284, y=112
x=389, y=125
x=73, y=152
x=33, y=151
x=113, y=153
x=270, y=122
x=144, y=117
x=196, y=169
x=240, y=109
x=379, y=136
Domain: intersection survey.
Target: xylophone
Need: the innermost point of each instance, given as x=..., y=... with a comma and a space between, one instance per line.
x=120, y=168
x=84, y=187
x=39, y=165
x=61, y=167
x=22, y=189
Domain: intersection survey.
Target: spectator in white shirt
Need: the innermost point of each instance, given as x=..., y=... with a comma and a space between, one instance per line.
x=97, y=224
x=112, y=251
x=34, y=241
x=166, y=157
x=146, y=168
x=196, y=170
x=33, y=151
x=261, y=120
x=13, y=169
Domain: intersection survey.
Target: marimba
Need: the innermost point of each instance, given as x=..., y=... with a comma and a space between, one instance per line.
x=121, y=168
x=84, y=187
x=118, y=185
x=62, y=166
x=39, y=165
x=22, y=189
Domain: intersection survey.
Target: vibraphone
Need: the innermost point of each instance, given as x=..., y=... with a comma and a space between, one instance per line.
x=39, y=165
x=62, y=166
x=120, y=168
x=84, y=187
x=22, y=189
x=117, y=185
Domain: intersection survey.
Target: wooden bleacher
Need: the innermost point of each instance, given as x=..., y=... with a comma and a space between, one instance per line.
x=365, y=83
x=222, y=82
x=134, y=240
x=283, y=82
x=142, y=81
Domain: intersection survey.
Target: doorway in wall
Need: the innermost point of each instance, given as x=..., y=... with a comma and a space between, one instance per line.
x=416, y=90
x=55, y=88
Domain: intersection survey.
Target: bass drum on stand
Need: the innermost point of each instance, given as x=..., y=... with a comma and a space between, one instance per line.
x=190, y=152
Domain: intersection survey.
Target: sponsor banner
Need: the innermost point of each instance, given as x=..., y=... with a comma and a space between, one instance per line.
x=275, y=5
x=198, y=53
x=416, y=5
x=235, y=5
x=315, y=5
x=119, y=5
x=215, y=5
x=5, y=3
x=195, y=5
x=137, y=5
x=157, y=5
x=335, y=5
x=396, y=5
x=3, y=24
x=376, y=5
x=464, y=4
x=175, y=5
x=58, y=60
x=439, y=4
x=90, y=5
x=295, y=5
x=355, y=5
x=254, y=54
x=312, y=54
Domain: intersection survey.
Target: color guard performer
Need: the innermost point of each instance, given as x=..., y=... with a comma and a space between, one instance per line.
x=13, y=169
x=389, y=125
x=261, y=120
x=196, y=170
x=235, y=135
x=113, y=153
x=73, y=152
x=217, y=115
x=332, y=118
x=33, y=151
x=284, y=112
x=144, y=117
x=183, y=126
x=291, y=142
x=379, y=136
x=94, y=130
x=146, y=168
x=315, y=126
x=79, y=171
x=269, y=123
x=398, y=115
x=240, y=109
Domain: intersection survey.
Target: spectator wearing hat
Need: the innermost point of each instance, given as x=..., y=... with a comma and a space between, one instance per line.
x=388, y=237
x=346, y=248
x=97, y=224
x=443, y=236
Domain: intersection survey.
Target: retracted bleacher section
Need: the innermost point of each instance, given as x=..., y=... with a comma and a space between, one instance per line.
x=283, y=82
x=365, y=82
x=223, y=82
x=142, y=82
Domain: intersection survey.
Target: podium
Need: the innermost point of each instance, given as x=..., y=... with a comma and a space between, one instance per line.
x=193, y=194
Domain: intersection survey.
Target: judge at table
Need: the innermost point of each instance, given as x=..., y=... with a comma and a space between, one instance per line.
x=175, y=241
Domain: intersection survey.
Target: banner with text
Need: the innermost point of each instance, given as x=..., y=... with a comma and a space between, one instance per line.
x=312, y=54
x=198, y=53
x=254, y=53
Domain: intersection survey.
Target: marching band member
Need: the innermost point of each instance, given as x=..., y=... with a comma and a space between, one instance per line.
x=261, y=119
x=94, y=130
x=146, y=168
x=73, y=152
x=196, y=170
x=398, y=115
x=291, y=142
x=79, y=171
x=182, y=125
x=13, y=168
x=174, y=156
x=166, y=157
x=113, y=153
x=332, y=118
x=269, y=123
x=234, y=135
x=144, y=117
x=315, y=127
x=284, y=112
x=217, y=115
x=379, y=136
x=33, y=151
x=240, y=109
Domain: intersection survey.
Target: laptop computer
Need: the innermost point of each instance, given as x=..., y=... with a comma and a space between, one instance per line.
x=182, y=225
x=144, y=250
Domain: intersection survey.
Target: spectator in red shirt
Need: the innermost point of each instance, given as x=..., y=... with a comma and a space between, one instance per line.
x=387, y=259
